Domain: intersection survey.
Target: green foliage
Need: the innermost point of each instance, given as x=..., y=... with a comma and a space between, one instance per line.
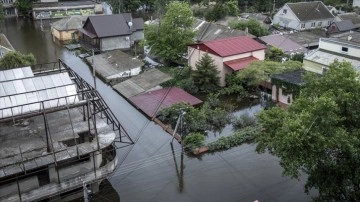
x=2, y=12
x=15, y=59
x=232, y=7
x=205, y=76
x=319, y=134
x=169, y=39
x=216, y=12
x=298, y=57
x=200, y=119
x=275, y=54
x=194, y=140
x=233, y=86
x=24, y=6
x=243, y=121
x=239, y=137
x=260, y=71
x=255, y=28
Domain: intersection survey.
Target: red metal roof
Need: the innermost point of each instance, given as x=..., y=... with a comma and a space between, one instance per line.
x=230, y=46
x=241, y=63
x=149, y=102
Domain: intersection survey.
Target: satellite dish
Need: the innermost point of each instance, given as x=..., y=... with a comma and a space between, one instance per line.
x=130, y=24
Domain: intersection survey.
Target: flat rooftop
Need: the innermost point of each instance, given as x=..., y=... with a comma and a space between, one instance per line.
x=325, y=58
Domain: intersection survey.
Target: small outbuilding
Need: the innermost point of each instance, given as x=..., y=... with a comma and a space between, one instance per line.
x=66, y=29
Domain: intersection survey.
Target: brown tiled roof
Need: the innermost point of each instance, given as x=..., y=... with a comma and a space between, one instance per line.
x=315, y=10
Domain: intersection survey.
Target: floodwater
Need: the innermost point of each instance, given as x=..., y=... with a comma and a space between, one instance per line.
x=150, y=170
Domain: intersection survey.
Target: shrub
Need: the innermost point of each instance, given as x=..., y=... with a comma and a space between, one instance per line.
x=194, y=140
x=243, y=121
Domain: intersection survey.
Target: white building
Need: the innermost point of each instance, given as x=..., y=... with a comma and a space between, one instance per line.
x=303, y=16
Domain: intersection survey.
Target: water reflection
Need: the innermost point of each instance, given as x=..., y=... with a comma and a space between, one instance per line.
x=179, y=170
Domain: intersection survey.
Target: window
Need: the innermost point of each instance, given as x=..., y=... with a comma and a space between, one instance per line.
x=344, y=49
x=302, y=26
x=329, y=22
x=319, y=24
x=285, y=11
x=313, y=24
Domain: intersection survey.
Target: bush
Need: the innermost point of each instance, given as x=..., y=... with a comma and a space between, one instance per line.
x=243, y=121
x=255, y=28
x=239, y=137
x=194, y=140
x=216, y=13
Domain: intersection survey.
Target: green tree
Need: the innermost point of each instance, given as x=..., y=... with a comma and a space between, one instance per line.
x=24, y=6
x=205, y=76
x=255, y=28
x=275, y=54
x=319, y=134
x=15, y=59
x=2, y=12
x=260, y=71
x=169, y=39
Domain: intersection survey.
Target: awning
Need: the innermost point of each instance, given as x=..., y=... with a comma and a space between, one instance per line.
x=89, y=34
x=241, y=63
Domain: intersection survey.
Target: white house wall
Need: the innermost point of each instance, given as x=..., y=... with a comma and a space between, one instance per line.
x=353, y=51
x=112, y=43
x=137, y=36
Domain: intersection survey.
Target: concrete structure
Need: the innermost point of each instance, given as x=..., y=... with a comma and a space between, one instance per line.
x=52, y=9
x=229, y=54
x=303, y=16
x=331, y=49
x=110, y=32
x=56, y=134
x=66, y=29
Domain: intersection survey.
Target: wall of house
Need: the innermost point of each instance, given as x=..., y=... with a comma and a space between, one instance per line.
x=356, y=3
x=137, y=36
x=313, y=66
x=282, y=99
x=25, y=185
x=112, y=43
x=352, y=50
x=64, y=35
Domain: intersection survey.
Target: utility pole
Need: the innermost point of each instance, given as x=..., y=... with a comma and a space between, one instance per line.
x=182, y=113
x=86, y=193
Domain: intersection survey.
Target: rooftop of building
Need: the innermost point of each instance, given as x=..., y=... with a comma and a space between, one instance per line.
x=284, y=43
x=314, y=10
x=295, y=77
x=325, y=58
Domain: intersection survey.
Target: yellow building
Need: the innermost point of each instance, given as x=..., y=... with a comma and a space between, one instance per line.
x=66, y=29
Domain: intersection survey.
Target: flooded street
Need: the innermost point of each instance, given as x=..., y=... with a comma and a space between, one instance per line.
x=149, y=170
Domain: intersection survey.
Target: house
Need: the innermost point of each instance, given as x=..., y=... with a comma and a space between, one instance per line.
x=67, y=28
x=307, y=39
x=57, y=135
x=332, y=9
x=109, y=32
x=208, y=31
x=340, y=26
x=284, y=43
x=303, y=16
x=331, y=49
x=285, y=86
x=9, y=8
x=353, y=36
x=354, y=17
x=229, y=54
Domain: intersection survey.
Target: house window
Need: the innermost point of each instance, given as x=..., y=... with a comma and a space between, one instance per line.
x=313, y=24
x=344, y=49
x=319, y=24
x=303, y=26
x=285, y=11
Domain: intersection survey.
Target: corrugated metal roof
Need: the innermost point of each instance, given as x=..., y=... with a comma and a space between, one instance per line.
x=241, y=63
x=234, y=45
x=284, y=43
x=24, y=95
x=149, y=102
x=315, y=10
x=17, y=73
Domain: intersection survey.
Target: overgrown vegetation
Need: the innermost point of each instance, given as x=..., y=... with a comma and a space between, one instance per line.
x=16, y=59
x=194, y=140
x=239, y=137
x=255, y=28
